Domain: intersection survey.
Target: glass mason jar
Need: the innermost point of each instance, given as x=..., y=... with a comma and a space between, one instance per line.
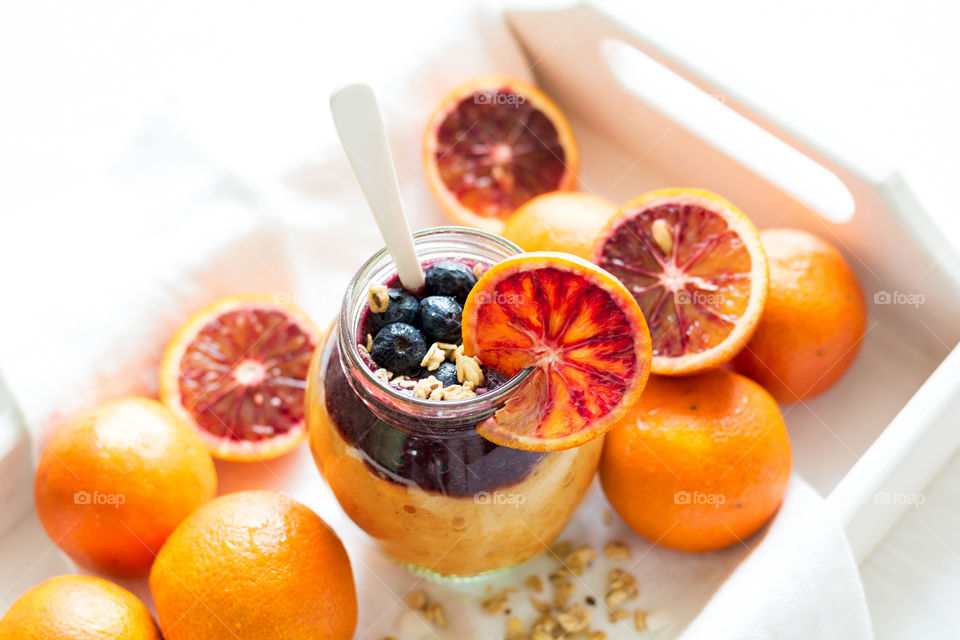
x=413, y=473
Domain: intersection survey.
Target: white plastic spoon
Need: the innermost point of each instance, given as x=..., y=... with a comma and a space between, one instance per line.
x=360, y=125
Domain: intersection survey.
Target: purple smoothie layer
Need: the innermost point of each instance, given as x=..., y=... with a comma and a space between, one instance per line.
x=459, y=465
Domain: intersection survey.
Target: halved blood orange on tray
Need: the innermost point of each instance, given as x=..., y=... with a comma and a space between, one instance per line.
x=492, y=145
x=695, y=265
x=580, y=331
x=237, y=372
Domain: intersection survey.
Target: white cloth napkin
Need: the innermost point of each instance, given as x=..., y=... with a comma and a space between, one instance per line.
x=185, y=210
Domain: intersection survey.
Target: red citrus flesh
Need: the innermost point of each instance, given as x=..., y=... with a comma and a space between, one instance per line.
x=492, y=146
x=580, y=331
x=694, y=264
x=237, y=371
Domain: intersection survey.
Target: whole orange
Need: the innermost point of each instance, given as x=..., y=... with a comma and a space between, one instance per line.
x=813, y=322
x=568, y=221
x=78, y=608
x=112, y=484
x=701, y=463
x=254, y=565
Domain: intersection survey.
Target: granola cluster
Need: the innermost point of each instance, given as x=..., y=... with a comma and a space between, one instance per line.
x=557, y=614
x=378, y=298
x=560, y=617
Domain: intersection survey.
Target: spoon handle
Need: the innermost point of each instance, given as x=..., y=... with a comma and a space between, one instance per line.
x=357, y=118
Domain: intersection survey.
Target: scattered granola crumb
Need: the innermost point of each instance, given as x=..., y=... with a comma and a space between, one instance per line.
x=620, y=579
x=479, y=270
x=384, y=374
x=417, y=600
x=596, y=635
x=615, y=597
x=545, y=624
x=574, y=618
x=534, y=583
x=617, y=615
x=514, y=624
x=436, y=615
x=563, y=589
x=616, y=551
x=378, y=298
x=561, y=548
x=591, y=601
x=369, y=343
x=433, y=358
x=607, y=517
x=495, y=603
x=539, y=605
x=436, y=394
x=640, y=620
x=579, y=560
x=560, y=572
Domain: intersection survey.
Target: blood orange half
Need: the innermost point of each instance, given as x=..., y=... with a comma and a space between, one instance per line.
x=237, y=372
x=492, y=145
x=578, y=328
x=695, y=265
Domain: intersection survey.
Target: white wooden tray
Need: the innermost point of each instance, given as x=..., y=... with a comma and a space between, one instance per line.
x=871, y=443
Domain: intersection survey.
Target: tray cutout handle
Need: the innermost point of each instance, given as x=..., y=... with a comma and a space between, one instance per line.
x=710, y=119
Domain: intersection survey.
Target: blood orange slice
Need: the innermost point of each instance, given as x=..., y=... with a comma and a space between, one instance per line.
x=493, y=144
x=694, y=263
x=237, y=372
x=578, y=328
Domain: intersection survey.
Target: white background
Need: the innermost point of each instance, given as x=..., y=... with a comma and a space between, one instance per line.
x=77, y=81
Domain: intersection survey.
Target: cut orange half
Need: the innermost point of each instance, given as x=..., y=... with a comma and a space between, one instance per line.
x=492, y=145
x=580, y=331
x=237, y=372
x=695, y=265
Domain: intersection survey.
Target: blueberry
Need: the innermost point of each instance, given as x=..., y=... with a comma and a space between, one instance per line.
x=440, y=318
x=402, y=308
x=399, y=347
x=449, y=278
x=446, y=373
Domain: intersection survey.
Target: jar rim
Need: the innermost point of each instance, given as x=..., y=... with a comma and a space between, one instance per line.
x=468, y=409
